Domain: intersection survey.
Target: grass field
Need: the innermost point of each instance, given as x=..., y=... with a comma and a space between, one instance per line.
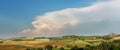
x=12, y=47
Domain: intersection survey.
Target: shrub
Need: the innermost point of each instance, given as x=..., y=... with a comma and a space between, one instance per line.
x=75, y=48
x=69, y=46
x=61, y=48
x=48, y=47
x=40, y=49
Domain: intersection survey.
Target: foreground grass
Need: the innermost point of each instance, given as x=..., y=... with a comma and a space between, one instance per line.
x=12, y=47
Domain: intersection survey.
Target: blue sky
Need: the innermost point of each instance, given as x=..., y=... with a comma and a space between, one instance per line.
x=17, y=15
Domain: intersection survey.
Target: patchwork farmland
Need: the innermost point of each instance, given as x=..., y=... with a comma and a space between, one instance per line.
x=67, y=42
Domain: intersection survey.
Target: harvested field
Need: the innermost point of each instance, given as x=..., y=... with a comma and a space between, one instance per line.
x=12, y=47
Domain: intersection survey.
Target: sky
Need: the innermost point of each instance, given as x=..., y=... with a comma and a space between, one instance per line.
x=32, y=18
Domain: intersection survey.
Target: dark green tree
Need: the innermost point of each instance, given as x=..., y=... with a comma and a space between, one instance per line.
x=81, y=49
x=111, y=47
x=27, y=48
x=48, y=47
x=88, y=47
x=75, y=48
x=40, y=48
x=105, y=46
x=61, y=48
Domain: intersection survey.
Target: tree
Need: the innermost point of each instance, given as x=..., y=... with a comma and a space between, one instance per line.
x=111, y=47
x=80, y=48
x=105, y=46
x=56, y=46
x=61, y=48
x=27, y=48
x=40, y=49
x=75, y=48
x=48, y=47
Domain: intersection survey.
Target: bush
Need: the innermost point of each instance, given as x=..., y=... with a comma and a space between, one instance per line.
x=75, y=48
x=40, y=49
x=106, y=46
x=61, y=48
x=81, y=49
x=69, y=46
x=27, y=48
x=48, y=47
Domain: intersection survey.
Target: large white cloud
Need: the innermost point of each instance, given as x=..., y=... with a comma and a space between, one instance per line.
x=54, y=22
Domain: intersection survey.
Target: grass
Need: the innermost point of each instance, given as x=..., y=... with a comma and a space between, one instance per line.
x=12, y=47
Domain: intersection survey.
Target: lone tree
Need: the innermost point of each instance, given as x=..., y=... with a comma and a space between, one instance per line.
x=80, y=48
x=75, y=48
x=27, y=48
x=48, y=47
x=61, y=48
x=40, y=48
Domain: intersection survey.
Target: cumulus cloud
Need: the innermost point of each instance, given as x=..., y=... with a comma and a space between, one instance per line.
x=54, y=22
